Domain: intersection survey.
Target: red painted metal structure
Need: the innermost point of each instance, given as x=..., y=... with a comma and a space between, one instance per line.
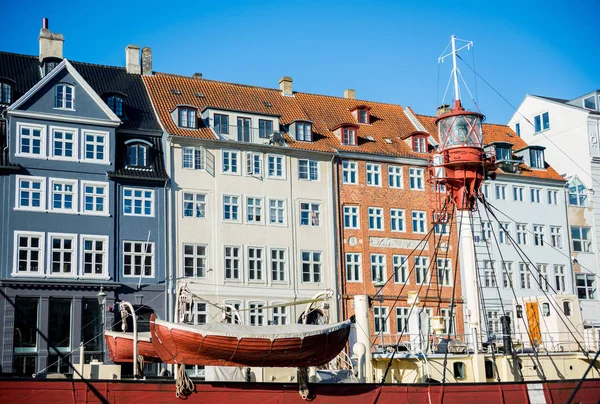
x=131, y=392
x=176, y=343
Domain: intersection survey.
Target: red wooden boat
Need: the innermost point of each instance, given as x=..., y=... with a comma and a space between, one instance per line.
x=120, y=346
x=223, y=344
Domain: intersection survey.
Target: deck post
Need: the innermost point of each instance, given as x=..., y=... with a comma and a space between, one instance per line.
x=363, y=332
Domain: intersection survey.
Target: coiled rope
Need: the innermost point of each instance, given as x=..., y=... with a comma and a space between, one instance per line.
x=185, y=386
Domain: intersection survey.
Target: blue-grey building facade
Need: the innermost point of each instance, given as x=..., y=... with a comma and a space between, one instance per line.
x=83, y=184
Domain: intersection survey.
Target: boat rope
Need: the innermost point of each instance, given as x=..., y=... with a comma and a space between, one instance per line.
x=303, y=387
x=140, y=364
x=184, y=385
x=553, y=303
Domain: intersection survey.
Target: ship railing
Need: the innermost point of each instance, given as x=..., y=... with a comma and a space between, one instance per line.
x=544, y=341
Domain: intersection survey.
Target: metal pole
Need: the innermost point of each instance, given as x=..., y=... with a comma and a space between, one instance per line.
x=135, y=337
x=455, y=70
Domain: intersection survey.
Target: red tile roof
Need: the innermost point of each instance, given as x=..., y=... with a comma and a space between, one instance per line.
x=498, y=133
x=388, y=121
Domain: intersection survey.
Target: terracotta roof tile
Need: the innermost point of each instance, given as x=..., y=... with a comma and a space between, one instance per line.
x=498, y=133
x=388, y=120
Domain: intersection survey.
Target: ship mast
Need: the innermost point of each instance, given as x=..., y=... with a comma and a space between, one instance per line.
x=457, y=171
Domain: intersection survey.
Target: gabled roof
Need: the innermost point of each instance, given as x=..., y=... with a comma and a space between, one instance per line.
x=499, y=133
x=325, y=112
x=156, y=172
x=25, y=71
x=566, y=102
x=82, y=83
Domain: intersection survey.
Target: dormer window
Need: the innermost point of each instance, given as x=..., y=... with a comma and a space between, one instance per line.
x=115, y=103
x=137, y=154
x=304, y=131
x=577, y=193
x=420, y=144
x=537, y=158
x=221, y=124
x=503, y=152
x=187, y=117
x=590, y=102
x=363, y=116
x=64, y=96
x=349, y=136
x=5, y=93
x=48, y=64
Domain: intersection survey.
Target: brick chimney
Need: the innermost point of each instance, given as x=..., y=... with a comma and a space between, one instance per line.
x=51, y=45
x=350, y=93
x=132, y=59
x=146, y=61
x=285, y=84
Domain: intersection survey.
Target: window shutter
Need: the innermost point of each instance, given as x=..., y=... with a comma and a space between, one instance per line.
x=260, y=165
x=249, y=165
x=209, y=162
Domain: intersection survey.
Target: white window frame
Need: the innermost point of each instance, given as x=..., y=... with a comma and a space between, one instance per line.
x=75, y=195
x=199, y=204
x=105, y=196
x=227, y=155
x=105, y=246
x=489, y=274
x=143, y=254
x=395, y=177
x=552, y=197
x=381, y=318
x=281, y=264
x=280, y=212
x=106, y=145
x=508, y=277
x=143, y=198
x=586, y=243
x=240, y=261
x=376, y=216
x=593, y=97
x=63, y=99
x=418, y=217
x=254, y=164
x=41, y=253
x=196, y=258
x=353, y=213
x=312, y=213
x=349, y=172
x=378, y=266
x=50, y=252
x=416, y=178
x=75, y=148
x=398, y=216
x=238, y=211
x=256, y=311
x=18, y=189
x=535, y=195
x=421, y=268
x=193, y=158
x=315, y=267
x=504, y=233
x=312, y=170
x=402, y=323
x=542, y=129
x=556, y=236
x=43, y=151
x=373, y=174
x=274, y=160
x=500, y=192
x=400, y=268
x=518, y=192
x=542, y=271
x=560, y=278
x=539, y=235
x=353, y=266
x=521, y=229
x=279, y=315
x=194, y=310
x=524, y=276
x=445, y=270
x=257, y=209
x=259, y=275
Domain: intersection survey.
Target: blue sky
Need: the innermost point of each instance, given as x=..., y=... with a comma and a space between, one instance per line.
x=386, y=50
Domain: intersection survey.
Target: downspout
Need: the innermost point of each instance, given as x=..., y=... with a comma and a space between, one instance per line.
x=294, y=253
x=337, y=239
x=568, y=231
x=171, y=256
x=167, y=252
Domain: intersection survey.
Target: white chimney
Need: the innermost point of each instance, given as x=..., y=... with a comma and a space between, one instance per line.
x=132, y=59
x=51, y=45
x=146, y=61
x=285, y=84
x=350, y=93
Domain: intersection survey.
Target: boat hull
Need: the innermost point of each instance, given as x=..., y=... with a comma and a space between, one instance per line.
x=120, y=347
x=180, y=346
x=128, y=392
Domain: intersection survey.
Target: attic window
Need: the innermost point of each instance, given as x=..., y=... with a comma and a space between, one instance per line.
x=48, y=64
x=419, y=144
x=503, y=153
x=64, y=96
x=137, y=154
x=304, y=131
x=187, y=117
x=387, y=140
x=115, y=103
x=349, y=136
x=361, y=114
x=5, y=93
x=537, y=158
x=590, y=102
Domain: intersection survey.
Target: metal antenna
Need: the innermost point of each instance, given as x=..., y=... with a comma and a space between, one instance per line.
x=455, y=70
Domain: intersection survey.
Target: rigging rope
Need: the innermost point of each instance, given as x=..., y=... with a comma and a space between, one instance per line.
x=184, y=385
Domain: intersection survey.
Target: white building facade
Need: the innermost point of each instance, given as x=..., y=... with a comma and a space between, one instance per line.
x=569, y=129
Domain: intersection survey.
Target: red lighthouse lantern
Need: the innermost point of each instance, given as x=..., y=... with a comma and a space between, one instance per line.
x=461, y=163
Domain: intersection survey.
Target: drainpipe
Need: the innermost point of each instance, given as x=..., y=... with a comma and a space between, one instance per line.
x=135, y=338
x=337, y=240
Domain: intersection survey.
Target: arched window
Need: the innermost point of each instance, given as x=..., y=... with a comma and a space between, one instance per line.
x=138, y=154
x=64, y=96
x=115, y=103
x=5, y=93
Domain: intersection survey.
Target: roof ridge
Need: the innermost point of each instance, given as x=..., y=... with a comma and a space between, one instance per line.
x=274, y=89
x=18, y=54
x=70, y=60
